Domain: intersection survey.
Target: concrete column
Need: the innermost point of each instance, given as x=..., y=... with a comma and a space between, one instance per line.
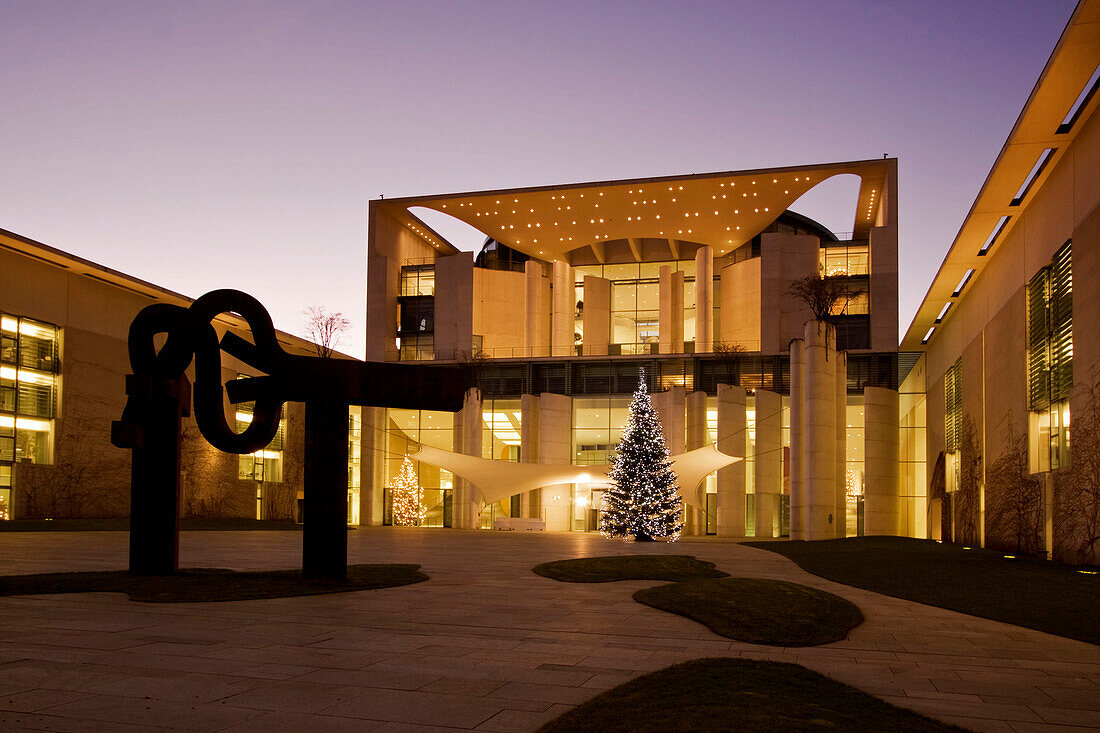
x=769, y=462
x=819, y=421
x=704, y=300
x=696, y=425
x=555, y=445
x=880, y=461
x=536, y=338
x=529, y=450
x=731, y=480
x=597, y=315
x=740, y=304
x=564, y=306
x=372, y=476
x=671, y=311
x=798, y=439
x=454, y=324
x=670, y=410
x=840, y=488
x=467, y=439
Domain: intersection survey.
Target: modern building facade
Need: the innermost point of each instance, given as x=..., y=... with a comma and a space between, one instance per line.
x=63, y=360
x=688, y=277
x=1007, y=331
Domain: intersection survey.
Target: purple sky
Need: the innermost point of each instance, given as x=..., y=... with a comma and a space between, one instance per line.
x=210, y=144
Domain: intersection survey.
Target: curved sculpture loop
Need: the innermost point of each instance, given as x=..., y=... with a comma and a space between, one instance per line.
x=159, y=396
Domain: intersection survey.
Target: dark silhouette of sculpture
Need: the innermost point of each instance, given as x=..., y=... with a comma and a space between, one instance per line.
x=160, y=395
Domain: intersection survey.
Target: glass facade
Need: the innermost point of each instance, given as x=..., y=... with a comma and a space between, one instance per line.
x=29, y=369
x=635, y=302
x=405, y=430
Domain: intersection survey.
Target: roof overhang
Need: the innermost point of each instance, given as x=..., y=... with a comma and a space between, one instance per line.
x=997, y=209
x=723, y=210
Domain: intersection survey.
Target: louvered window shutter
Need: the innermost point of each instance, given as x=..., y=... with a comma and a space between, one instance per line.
x=1038, y=340
x=1061, y=324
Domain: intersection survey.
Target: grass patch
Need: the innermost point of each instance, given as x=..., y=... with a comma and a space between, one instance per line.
x=122, y=524
x=202, y=585
x=758, y=611
x=1023, y=591
x=739, y=694
x=628, y=567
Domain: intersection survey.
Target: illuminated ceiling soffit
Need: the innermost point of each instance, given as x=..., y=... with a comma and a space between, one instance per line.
x=723, y=210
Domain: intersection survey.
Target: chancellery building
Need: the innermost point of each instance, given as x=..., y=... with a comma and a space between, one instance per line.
x=580, y=286
x=980, y=426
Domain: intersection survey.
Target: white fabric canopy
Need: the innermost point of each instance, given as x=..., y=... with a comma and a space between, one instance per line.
x=496, y=480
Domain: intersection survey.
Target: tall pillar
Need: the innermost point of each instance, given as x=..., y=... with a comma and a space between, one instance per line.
x=819, y=421
x=670, y=326
x=372, y=475
x=704, y=300
x=769, y=462
x=555, y=446
x=880, y=460
x=597, y=315
x=696, y=428
x=564, y=306
x=536, y=338
x=670, y=410
x=529, y=502
x=731, y=479
x=798, y=440
x=840, y=487
x=467, y=440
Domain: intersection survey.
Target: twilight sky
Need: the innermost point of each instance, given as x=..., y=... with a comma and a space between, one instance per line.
x=208, y=144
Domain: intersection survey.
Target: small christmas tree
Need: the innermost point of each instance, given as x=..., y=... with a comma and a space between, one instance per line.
x=408, y=497
x=642, y=502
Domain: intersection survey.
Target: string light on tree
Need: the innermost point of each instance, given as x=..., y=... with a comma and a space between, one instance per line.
x=408, y=497
x=642, y=503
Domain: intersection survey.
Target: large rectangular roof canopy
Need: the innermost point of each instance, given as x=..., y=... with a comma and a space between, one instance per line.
x=723, y=210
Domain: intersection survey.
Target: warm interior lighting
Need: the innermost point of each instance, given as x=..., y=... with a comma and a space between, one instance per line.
x=928, y=335
x=1040, y=164
x=1081, y=102
x=943, y=312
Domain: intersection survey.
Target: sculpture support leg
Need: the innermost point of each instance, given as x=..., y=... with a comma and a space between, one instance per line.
x=155, y=477
x=324, y=530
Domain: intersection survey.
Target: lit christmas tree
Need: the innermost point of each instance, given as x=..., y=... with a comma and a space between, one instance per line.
x=642, y=502
x=408, y=497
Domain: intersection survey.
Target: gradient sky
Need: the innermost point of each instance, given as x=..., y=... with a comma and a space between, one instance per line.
x=209, y=144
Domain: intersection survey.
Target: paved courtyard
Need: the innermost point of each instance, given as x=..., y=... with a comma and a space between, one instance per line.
x=484, y=645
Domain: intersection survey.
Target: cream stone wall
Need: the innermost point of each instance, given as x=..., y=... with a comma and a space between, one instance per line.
x=94, y=317
x=783, y=258
x=389, y=246
x=498, y=311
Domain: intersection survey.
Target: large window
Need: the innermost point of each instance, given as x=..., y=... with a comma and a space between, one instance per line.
x=29, y=365
x=635, y=302
x=406, y=430
x=266, y=464
x=952, y=388
x=1050, y=361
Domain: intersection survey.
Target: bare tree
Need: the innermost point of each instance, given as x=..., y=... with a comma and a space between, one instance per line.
x=820, y=294
x=1014, y=498
x=729, y=353
x=208, y=478
x=88, y=477
x=970, y=476
x=325, y=329
x=1078, y=487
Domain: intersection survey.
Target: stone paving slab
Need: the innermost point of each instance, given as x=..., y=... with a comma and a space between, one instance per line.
x=484, y=645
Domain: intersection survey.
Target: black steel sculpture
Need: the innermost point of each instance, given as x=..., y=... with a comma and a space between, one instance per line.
x=159, y=396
